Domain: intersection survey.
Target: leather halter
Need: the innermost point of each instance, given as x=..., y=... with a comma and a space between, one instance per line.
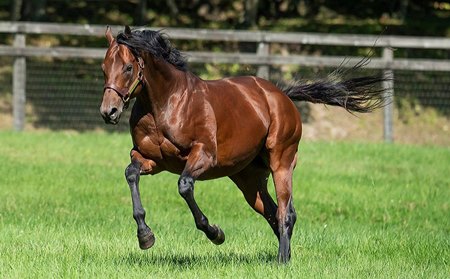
x=125, y=93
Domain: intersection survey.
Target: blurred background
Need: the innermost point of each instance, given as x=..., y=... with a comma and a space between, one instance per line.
x=51, y=52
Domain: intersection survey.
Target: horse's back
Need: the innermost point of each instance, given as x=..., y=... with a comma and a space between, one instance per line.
x=250, y=99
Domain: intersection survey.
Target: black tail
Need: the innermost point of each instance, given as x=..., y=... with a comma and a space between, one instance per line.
x=361, y=94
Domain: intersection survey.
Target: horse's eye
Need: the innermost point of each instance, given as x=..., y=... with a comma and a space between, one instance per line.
x=129, y=68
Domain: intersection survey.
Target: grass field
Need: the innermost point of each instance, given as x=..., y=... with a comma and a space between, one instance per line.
x=364, y=211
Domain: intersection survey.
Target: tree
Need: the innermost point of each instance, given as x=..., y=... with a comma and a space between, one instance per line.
x=251, y=13
x=16, y=9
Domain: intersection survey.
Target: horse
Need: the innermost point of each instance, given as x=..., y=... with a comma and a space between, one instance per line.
x=242, y=127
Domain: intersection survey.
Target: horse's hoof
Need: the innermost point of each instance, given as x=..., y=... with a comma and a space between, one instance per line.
x=146, y=241
x=220, y=236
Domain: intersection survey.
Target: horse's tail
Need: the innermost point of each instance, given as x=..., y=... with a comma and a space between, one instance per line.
x=361, y=94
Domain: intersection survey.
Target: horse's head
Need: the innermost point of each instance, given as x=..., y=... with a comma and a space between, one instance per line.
x=123, y=72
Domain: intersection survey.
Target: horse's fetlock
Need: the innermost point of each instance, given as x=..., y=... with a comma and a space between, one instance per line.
x=139, y=214
x=202, y=223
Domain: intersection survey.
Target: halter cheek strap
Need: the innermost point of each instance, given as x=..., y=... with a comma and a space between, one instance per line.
x=125, y=93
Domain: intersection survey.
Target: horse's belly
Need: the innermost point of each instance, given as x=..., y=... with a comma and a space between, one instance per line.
x=234, y=158
x=222, y=171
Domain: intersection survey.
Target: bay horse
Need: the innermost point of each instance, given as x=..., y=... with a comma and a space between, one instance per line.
x=241, y=127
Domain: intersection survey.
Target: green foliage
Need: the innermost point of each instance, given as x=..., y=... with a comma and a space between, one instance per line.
x=364, y=211
x=413, y=17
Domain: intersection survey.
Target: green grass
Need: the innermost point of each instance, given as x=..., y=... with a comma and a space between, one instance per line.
x=364, y=211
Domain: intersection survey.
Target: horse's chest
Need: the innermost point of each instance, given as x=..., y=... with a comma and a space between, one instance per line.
x=148, y=145
x=151, y=143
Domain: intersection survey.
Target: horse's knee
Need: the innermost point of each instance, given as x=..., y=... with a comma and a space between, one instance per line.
x=132, y=173
x=185, y=186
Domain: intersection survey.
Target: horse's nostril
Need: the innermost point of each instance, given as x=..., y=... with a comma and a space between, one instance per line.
x=113, y=111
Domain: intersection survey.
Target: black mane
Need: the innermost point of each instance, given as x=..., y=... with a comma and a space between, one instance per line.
x=154, y=42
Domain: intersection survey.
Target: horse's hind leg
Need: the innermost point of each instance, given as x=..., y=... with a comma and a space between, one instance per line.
x=282, y=163
x=252, y=181
x=144, y=234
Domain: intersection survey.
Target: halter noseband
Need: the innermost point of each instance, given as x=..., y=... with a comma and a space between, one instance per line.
x=125, y=93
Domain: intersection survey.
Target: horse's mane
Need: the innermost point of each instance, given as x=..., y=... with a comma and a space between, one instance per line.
x=154, y=42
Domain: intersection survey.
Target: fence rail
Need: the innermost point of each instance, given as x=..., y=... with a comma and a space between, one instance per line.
x=262, y=57
x=245, y=58
x=238, y=35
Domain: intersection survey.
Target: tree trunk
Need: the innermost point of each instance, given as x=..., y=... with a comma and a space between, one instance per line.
x=34, y=10
x=251, y=13
x=16, y=9
x=173, y=8
x=141, y=11
x=403, y=9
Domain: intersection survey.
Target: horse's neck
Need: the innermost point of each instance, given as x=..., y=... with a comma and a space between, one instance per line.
x=163, y=81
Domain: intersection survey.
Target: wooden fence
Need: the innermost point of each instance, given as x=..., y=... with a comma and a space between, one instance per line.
x=263, y=58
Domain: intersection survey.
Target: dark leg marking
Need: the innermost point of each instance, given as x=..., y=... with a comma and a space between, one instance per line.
x=186, y=190
x=286, y=228
x=144, y=234
x=252, y=181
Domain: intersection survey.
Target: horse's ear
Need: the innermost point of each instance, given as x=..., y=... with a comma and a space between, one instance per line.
x=127, y=30
x=109, y=35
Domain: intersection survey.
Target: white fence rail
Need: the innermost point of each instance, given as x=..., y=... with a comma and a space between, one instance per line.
x=261, y=57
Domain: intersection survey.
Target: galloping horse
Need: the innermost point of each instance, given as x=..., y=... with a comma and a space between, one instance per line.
x=242, y=127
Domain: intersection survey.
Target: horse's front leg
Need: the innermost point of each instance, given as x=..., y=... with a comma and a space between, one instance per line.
x=132, y=173
x=197, y=163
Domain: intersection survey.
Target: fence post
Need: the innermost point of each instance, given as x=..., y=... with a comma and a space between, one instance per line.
x=19, y=79
x=388, y=86
x=263, y=70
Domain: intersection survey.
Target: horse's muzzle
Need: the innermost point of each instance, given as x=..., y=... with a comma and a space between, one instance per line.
x=110, y=115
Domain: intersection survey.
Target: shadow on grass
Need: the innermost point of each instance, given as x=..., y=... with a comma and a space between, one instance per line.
x=182, y=260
